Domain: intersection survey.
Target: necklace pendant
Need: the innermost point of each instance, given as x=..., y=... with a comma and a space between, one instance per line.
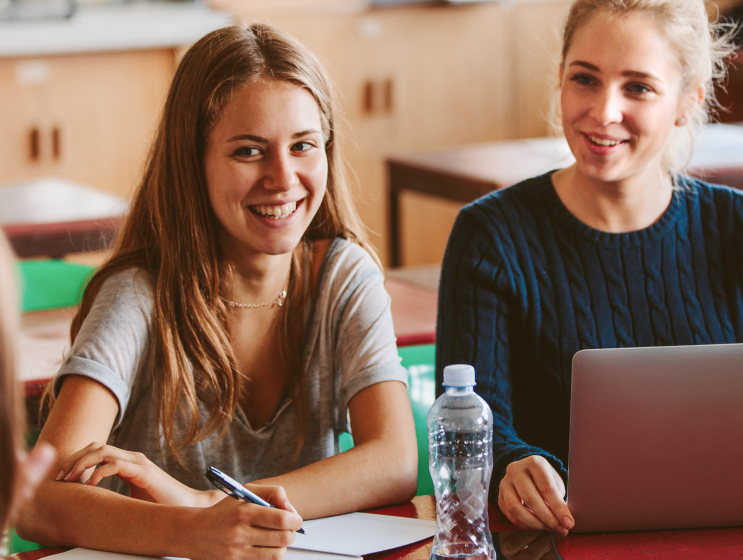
x=278, y=301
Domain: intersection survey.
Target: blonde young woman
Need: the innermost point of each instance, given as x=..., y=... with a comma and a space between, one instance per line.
x=20, y=473
x=241, y=323
x=619, y=249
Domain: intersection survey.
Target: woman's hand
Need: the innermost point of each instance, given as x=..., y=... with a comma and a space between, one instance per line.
x=146, y=480
x=531, y=496
x=238, y=530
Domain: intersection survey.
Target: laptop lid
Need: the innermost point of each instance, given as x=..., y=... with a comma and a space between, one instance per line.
x=656, y=438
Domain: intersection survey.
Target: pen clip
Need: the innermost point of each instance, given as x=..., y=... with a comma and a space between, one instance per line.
x=219, y=483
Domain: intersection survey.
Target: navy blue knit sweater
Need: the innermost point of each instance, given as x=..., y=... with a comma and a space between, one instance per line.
x=525, y=285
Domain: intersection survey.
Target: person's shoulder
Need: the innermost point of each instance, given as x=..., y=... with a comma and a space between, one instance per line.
x=346, y=256
x=347, y=271
x=127, y=286
x=521, y=193
x=346, y=266
x=721, y=196
x=496, y=214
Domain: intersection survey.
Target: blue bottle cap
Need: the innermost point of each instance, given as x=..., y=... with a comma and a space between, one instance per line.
x=459, y=375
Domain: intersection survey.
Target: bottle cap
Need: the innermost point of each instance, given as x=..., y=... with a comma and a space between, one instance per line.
x=459, y=375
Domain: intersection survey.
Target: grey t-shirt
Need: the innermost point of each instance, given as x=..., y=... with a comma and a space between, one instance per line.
x=349, y=345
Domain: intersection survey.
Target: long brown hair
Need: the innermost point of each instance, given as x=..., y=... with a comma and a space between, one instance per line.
x=11, y=420
x=170, y=232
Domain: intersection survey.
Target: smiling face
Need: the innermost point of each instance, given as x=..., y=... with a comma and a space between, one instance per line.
x=266, y=168
x=621, y=94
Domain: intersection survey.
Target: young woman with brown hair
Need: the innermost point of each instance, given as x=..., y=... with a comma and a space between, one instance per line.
x=19, y=473
x=619, y=249
x=240, y=323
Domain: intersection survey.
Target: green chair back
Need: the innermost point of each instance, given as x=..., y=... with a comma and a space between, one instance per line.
x=420, y=362
x=51, y=283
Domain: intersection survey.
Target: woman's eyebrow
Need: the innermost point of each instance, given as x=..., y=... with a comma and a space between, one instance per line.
x=306, y=132
x=252, y=137
x=639, y=74
x=262, y=140
x=626, y=73
x=584, y=64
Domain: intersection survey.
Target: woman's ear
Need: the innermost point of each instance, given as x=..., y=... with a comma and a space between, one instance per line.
x=690, y=103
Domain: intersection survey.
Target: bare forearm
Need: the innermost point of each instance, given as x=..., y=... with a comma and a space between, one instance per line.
x=71, y=514
x=370, y=475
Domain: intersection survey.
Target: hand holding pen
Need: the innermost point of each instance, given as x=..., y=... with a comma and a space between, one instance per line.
x=235, y=490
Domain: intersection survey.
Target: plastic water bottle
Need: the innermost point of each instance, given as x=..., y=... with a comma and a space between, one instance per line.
x=460, y=444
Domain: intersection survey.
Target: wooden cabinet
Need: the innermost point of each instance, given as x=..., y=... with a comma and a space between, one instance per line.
x=86, y=117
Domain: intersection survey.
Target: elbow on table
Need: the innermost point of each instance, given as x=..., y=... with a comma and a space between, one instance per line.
x=407, y=474
x=30, y=527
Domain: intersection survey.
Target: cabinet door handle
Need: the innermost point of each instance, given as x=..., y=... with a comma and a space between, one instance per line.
x=56, y=143
x=388, y=96
x=34, y=149
x=367, y=97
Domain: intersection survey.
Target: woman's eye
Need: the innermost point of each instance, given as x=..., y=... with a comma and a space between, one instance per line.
x=246, y=151
x=582, y=79
x=302, y=146
x=638, y=88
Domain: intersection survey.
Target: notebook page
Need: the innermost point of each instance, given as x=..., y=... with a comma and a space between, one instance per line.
x=357, y=534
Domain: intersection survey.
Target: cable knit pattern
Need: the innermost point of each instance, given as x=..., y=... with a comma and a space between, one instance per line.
x=525, y=285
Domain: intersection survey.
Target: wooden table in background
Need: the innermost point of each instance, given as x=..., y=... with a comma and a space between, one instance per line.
x=466, y=173
x=53, y=217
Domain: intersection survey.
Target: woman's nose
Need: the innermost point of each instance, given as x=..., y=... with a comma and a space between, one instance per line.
x=607, y=107
x=281, y=173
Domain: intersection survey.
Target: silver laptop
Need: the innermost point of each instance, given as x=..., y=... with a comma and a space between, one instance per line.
x=656, y=438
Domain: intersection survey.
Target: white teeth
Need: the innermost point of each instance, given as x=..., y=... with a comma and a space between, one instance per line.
x=276, y=212
x=604, y=142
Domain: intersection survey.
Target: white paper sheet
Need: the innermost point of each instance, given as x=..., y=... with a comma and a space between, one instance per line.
x=357, y=534
x=344, y=537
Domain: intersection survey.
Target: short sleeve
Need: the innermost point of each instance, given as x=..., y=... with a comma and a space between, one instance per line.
x=365, y=345
x=114, y=338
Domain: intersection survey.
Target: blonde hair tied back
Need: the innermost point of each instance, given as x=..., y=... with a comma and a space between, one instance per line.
x=701, y=47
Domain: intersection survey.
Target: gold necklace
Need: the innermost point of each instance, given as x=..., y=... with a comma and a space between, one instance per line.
x=278, y=301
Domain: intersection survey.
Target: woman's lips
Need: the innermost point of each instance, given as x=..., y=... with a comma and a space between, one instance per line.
x=602, y=145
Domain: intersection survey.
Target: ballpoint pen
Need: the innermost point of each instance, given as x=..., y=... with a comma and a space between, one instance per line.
x=234, y=489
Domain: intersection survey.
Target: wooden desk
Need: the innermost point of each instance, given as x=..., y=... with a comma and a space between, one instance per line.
x=707, y=544
x=466, y=173
x=53, y=217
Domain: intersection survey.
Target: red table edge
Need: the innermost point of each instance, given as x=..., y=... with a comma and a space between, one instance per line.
x=416, y=339
x=55, y=228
